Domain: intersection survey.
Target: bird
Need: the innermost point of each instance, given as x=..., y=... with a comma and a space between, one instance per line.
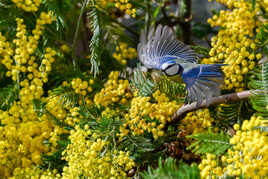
x=160, y=50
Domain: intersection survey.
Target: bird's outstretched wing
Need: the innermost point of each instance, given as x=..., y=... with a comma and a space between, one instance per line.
x=203, y=82
x=160, y=46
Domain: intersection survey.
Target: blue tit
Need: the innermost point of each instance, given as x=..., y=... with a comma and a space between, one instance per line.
x=161, y=50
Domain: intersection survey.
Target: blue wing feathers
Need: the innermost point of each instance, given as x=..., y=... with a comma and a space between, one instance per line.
x=160, y=46
x=160, y=43
x=203, y=82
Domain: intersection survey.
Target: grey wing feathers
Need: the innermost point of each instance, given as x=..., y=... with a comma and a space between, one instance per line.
x=159, y=43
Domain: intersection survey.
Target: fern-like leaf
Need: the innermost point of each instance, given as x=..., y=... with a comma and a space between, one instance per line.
x=259, y=81
x=66, y=94
x=228, y=114
x=171, y=170
x=95, y=43
x=214, y=143
x=262, y=37
x=172, y=89
x=139, y=81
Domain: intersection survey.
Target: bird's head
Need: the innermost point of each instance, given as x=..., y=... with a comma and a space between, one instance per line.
x=171, y=68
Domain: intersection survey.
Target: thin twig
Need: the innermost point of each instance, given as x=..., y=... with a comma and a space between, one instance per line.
x=181, y=112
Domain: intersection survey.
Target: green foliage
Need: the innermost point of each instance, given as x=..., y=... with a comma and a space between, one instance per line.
x=95, y=42
x=201, y=30
x=139, y=81
x=227, y=114
x=54, y=160
x=262, y=38
x=169, y=169
x=259, y=98
x=8, y=95
x=174, y=90
x=214, y=143
x=253, y=4
x=39, y=107
x=98, y=30
x=66, y=94
x=201, y=50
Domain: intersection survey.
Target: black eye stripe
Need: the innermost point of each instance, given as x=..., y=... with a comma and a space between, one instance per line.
x=179, y=70
x=170, y=66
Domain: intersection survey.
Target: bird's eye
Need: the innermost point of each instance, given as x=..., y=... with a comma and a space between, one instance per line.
x=172, y=70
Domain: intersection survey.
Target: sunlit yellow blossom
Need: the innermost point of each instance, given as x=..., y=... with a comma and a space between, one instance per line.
x=248, y=156
x=89, y=156
x=234, y=44
x=196, y=122
x=23, y=128
x=114, y=91
x=145, y=116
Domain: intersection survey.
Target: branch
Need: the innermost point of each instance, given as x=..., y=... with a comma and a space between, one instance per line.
x=181, y=112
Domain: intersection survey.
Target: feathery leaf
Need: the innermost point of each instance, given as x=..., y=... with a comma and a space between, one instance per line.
x=95, y=43
x=171, y=170
x=139, y=81
x=214, y=143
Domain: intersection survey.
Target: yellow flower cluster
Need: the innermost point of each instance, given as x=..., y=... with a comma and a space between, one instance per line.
x=209, y=167
x=145, y=116
x=34, y=173
x=23, y=59
x=89, y=156
x=114, y=91
x=264, y=4
x=82, y=87
x=196, y=122
x=234, y=44
x=124, y=5
x=22, y=129
x=248, y=157
x=123, y=53
x=21, y=142
x=28, y=5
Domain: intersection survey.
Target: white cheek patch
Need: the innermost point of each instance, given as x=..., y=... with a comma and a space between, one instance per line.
x=173, y=70
x=164, y=66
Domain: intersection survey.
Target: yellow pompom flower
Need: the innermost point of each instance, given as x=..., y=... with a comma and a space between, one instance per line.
x=122, y=53
x=196, y=122
x=125, y=6
x=28, y=5
x=114, y=91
